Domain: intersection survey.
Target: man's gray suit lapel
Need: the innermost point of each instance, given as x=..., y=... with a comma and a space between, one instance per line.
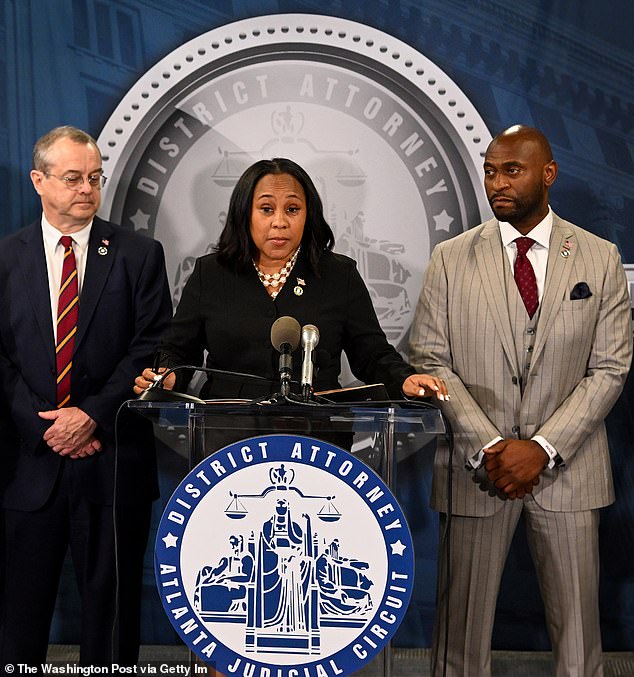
x=557, y=276
x=490, y=264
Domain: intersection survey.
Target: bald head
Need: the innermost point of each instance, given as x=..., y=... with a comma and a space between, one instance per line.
x=518, y=172
x=522, y=134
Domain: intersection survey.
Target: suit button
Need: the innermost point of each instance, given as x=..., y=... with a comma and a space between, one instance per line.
x=530, y=331
x=515, y=430
x=514, y=380
x=529, y=349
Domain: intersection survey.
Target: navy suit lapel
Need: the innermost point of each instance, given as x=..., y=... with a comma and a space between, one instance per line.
x=32, y=262
x=102, y=247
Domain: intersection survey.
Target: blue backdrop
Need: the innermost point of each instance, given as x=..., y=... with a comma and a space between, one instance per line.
x=566, y=67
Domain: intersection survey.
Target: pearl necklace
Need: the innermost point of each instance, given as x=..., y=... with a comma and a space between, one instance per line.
x=276, y=280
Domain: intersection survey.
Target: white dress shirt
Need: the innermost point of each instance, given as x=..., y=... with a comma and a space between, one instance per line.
x=54, y=252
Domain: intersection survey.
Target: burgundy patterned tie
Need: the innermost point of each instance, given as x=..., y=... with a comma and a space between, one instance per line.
x=525, y=275
x=67, y=313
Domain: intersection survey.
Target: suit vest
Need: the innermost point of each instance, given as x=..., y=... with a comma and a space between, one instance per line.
x=524, y=328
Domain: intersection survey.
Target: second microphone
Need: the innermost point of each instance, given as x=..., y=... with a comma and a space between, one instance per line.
x=310, y=339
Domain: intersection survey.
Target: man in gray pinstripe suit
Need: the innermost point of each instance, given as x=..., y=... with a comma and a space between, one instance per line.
x=530, y=390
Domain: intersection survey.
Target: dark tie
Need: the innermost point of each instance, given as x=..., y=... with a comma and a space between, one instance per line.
x=67, y=312
x=525, y=275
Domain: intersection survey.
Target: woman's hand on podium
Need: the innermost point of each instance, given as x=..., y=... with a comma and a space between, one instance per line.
x=148, y=377
x=425, y=385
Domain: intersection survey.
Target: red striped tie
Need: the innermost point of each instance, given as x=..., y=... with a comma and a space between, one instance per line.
x=67, y=312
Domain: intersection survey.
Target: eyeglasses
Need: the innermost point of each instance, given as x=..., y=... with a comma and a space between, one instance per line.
x=97, y=181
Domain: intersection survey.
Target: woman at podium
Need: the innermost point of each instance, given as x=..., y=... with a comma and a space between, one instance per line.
x=274, y=259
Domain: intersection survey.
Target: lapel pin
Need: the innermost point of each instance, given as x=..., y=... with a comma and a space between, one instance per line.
x=565, y=249
x=299, y=287
x=102, y=250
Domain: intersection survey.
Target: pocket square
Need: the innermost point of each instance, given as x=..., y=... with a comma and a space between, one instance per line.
x=580, y=291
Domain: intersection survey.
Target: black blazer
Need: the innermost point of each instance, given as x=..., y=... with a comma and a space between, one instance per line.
x=230, y=315
x=123, y=311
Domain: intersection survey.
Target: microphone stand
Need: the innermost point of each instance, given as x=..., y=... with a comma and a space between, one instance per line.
x=285, y=369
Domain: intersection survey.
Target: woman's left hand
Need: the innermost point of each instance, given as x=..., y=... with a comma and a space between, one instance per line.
x=424, y=385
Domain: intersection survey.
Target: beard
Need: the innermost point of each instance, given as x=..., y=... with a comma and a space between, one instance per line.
x=518, y=208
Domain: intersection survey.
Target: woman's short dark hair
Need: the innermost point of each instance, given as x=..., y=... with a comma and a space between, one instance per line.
x=236, y=248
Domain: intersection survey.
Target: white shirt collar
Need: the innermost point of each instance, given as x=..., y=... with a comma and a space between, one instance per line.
x=52, y=235
x=540, y=233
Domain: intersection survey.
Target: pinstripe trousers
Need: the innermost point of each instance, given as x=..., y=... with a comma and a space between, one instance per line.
x=564, y=549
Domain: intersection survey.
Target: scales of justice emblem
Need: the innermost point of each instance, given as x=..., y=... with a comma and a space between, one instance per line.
x=280, y=582
x=287, y=558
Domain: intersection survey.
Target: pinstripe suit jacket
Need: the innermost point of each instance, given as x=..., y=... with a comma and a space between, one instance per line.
x=463, y=331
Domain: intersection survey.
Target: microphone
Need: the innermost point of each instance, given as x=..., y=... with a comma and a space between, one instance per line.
x=285, y=335
x=310, y=339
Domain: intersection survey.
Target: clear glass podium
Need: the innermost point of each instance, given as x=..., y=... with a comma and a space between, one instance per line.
x=380, y=434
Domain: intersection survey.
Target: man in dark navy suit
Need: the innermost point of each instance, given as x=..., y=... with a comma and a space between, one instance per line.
x=64, y=373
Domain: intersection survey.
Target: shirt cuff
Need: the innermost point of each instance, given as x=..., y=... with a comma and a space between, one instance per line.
x=475, y=461
x=554, y=458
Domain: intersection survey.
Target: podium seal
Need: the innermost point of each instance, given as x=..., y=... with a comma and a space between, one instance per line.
x=284, y=556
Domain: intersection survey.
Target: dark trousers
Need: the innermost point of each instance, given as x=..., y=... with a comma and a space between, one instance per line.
x=35, y=545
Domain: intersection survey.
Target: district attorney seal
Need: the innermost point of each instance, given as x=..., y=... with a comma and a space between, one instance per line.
x=284, y=556
x=394, y=146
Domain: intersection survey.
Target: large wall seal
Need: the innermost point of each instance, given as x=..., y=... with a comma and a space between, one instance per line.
x=284, y=556
x=394, y=146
